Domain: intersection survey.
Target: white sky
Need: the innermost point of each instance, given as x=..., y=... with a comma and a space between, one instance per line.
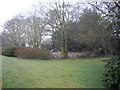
x=10, y=8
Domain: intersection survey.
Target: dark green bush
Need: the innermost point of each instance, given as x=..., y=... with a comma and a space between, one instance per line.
x=0, y=50
x=8, y=51
x=112, y=73
x=32, y=53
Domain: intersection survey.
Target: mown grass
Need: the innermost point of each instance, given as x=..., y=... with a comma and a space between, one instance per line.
x=78, y=73
x=0, y=71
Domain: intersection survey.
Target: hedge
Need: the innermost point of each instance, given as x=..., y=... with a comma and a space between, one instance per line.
x=32, y=53
x=8, y=51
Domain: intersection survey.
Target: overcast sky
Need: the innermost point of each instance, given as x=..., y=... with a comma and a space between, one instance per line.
x=10, y=8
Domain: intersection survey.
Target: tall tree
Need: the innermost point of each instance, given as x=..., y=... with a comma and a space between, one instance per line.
x=58, y=16
x=111, y=11
x=34, y=31
x=14, y=30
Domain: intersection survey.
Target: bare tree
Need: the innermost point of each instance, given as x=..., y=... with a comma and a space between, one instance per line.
x=34, y=31
x=58, y=16
x=14, y=29
x=35, y=28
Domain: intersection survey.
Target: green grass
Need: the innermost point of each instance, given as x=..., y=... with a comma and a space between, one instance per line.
x=79, y=73
x=0, y=71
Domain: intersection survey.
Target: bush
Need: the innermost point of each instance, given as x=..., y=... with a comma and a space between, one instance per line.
x=0, y=50
x=32, y=53
x=8, y=51
x=112, y=73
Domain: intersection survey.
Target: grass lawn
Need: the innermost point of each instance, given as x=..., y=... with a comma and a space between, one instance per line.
x=78, y=73
x=0, y=72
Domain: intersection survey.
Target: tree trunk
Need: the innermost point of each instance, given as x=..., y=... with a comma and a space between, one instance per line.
x=64, y=49
x=111, y=51
x=64, y=44
x=104, y=47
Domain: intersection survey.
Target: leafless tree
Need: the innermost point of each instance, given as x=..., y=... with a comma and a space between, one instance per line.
x=34, y=31
x=60, y=13
x=14, y=29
